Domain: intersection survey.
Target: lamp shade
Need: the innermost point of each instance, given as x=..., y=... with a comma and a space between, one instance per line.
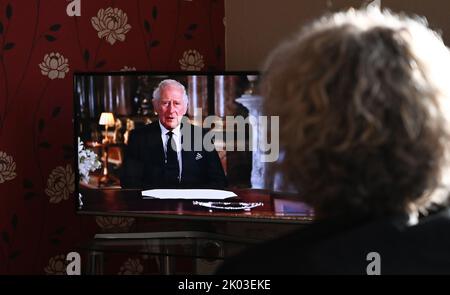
x=106, y=119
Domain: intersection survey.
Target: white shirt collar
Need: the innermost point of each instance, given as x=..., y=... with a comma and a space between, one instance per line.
x=175, y=131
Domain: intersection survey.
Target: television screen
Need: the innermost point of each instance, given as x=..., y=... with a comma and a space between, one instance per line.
x=113, y=109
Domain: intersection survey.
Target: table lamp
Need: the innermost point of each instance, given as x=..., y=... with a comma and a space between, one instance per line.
x=106, y=119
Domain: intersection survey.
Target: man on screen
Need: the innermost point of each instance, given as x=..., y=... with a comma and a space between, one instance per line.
x=164, y=154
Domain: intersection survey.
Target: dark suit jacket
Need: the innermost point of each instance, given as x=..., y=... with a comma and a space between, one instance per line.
x=143, y=165
x=341, y=247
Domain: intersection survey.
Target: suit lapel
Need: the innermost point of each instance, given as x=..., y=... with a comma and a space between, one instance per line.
x=155, y=142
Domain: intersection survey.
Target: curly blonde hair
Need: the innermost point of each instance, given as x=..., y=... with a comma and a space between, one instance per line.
x=364, y=112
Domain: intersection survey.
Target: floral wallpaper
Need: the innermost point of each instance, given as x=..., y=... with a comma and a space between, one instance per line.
x=41, y=46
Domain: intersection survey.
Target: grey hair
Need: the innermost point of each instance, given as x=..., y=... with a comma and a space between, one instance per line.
x=166, y=83
x=364, y=105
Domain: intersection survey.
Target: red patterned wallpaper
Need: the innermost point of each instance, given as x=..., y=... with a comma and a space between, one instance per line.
x=40, y=48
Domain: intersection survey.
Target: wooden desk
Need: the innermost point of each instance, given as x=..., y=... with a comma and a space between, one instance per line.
x=228, y=230
x=272, y=208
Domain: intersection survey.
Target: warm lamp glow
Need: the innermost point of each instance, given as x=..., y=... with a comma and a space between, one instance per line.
x=106, y=119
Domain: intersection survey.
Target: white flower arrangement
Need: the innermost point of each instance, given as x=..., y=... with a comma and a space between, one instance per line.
x=87, y=161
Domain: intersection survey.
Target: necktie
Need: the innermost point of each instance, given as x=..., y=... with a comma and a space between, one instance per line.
x=172, y=167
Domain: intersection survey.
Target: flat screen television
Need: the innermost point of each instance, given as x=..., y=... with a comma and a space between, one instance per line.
x=108, y=106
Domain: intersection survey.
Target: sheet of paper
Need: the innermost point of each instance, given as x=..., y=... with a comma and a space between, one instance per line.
x=209, y=194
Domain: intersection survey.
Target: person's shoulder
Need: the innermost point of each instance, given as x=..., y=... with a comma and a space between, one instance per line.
x=195, y=130
x=191, y=126
x=287, y=254
x=435, y=222
x=340, y=247
x=146, y=129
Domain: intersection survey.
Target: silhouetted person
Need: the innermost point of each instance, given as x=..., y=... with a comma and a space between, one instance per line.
x=363, y=98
